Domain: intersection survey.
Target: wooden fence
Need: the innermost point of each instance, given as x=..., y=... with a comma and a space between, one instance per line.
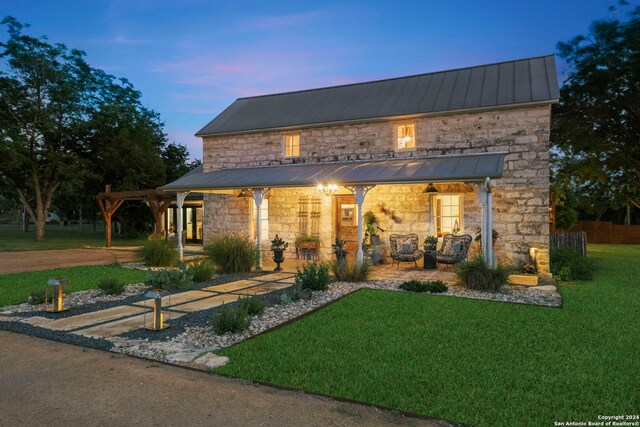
x=574, y=240
x=606, y=232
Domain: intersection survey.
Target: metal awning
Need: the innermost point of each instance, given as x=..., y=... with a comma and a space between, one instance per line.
x=450, y=168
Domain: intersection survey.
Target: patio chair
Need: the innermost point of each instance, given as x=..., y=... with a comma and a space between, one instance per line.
x=454, y=248
x=404, y=248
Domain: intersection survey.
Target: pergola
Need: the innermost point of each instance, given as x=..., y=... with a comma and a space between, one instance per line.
x=109, y=202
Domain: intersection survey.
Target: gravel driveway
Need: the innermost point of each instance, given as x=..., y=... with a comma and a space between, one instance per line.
x=50, y=383
x=18, y=262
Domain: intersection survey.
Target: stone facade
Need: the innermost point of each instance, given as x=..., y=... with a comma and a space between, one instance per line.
x=521, y=197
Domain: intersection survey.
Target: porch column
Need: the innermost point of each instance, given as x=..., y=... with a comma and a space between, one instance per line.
x=482, y=198
x=489, y=225
x=258, y=195
x=359, y=192
x=179, y=201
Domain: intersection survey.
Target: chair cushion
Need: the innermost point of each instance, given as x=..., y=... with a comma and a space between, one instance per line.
x=446, y=248
x=456, y=248
x=405, y=248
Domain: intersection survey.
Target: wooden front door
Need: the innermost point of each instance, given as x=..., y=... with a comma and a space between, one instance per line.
x=347, y=222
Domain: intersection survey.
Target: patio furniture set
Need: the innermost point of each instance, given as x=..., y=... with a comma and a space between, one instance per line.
x=405, y=248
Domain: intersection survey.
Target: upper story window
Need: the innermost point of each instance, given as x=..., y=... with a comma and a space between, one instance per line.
x=406, y=136
x=292, y=145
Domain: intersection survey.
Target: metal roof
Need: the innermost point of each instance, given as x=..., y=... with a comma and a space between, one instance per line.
x=456, y=167
x=524, y=81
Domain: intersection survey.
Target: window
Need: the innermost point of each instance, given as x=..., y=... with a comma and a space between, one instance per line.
x=292, y=145
x=447, y=214
x=406, y=136
x=264, y=219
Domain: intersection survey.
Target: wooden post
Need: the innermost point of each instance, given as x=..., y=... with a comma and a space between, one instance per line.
x=108, y=208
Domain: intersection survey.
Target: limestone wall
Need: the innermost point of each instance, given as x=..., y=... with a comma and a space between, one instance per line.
x=521, y=197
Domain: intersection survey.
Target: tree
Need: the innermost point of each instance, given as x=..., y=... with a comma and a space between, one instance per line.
x=66, y=125
x=176, y=161
x=596, y=125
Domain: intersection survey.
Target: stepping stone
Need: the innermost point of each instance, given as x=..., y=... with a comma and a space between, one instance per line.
x=94, y=317
x=232, y=286
x=117, y=327
x=36, y=320
x=263, y=289
x=274, y=276
x=290, y=280
x=176, y=299
x=206, y=303
x=211, y=360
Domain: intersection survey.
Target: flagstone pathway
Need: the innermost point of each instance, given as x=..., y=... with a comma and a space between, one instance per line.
x=118, y=320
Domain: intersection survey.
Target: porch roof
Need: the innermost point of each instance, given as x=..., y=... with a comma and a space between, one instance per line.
x=449, y=168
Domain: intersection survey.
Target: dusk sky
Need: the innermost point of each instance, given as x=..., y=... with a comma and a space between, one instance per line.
x=191, y=58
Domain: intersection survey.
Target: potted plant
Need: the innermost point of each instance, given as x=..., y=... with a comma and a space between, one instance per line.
x=430, y=243
x=307, y=246
x=339, y=251
x=494, y=236
x=278, y=246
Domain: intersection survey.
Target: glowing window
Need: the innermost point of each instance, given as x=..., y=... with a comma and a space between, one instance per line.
x=292, y=145
x=447, y=214
x=406, y=136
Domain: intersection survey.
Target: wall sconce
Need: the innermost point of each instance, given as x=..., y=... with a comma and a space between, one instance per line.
x=53, y=295
x=328, y=189
x=245, y=192
x=431, y=189
x=155, y=320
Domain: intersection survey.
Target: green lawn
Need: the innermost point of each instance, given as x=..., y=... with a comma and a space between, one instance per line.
x=58, y=237
x=15, y=288
x=477, y=362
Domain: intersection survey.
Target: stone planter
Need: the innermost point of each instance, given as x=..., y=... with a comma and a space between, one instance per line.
x=307, y=250
x=523, y=279
x=278, y=257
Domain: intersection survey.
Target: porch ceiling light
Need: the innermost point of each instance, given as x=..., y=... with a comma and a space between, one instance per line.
x=431, y=189
x=245, y=192
x=328, y=189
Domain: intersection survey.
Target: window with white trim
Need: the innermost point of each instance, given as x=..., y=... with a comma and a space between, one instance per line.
x=406, y=136
x=292, y=145
x=447, y=213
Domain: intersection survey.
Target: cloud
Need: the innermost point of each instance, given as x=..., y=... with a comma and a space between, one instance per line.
x=120, y=39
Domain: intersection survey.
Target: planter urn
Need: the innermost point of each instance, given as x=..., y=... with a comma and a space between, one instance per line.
x=278, y=257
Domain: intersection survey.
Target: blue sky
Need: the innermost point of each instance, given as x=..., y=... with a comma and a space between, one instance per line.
x=192, y=58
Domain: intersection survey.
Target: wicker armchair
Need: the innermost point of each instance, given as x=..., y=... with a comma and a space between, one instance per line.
x=404, y=248
x=454, y=249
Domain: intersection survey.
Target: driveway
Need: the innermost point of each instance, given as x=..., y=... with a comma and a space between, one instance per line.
x=18, y=262
x=49, y=383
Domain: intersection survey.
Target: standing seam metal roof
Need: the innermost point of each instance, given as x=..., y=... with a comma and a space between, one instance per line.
x=451, y=168
x=521, y=81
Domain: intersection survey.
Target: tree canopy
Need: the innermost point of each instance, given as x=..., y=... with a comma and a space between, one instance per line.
x=66, y=124
x=596, y=126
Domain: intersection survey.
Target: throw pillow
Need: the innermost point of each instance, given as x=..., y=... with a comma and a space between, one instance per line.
x=405, y=248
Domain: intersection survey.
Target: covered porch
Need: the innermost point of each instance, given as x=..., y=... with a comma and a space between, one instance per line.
x=328, y=201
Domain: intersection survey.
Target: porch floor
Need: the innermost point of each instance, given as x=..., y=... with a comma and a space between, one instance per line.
x=406, y=271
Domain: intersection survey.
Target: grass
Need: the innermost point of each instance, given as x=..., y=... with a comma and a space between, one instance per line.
x=58, y=237
x=16, y=287
x=477, y=362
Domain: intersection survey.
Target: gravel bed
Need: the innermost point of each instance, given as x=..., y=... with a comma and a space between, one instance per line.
x=25, y=328
x=83, y=302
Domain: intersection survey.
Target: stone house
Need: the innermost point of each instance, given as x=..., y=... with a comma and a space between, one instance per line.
x=313, y=161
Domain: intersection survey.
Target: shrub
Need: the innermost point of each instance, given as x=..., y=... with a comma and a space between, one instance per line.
x=313, y=276
x=201, y=271
x=307, y=238
x=435, y=286
x=111, y=286
x=476, y=275
x=568, y=265
x=158, y=252
x=350, y=271
x=295, y=293
x=231, y=252
x=169, y=280
x=230, y=319
x=253, y=306
x=37, y=296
